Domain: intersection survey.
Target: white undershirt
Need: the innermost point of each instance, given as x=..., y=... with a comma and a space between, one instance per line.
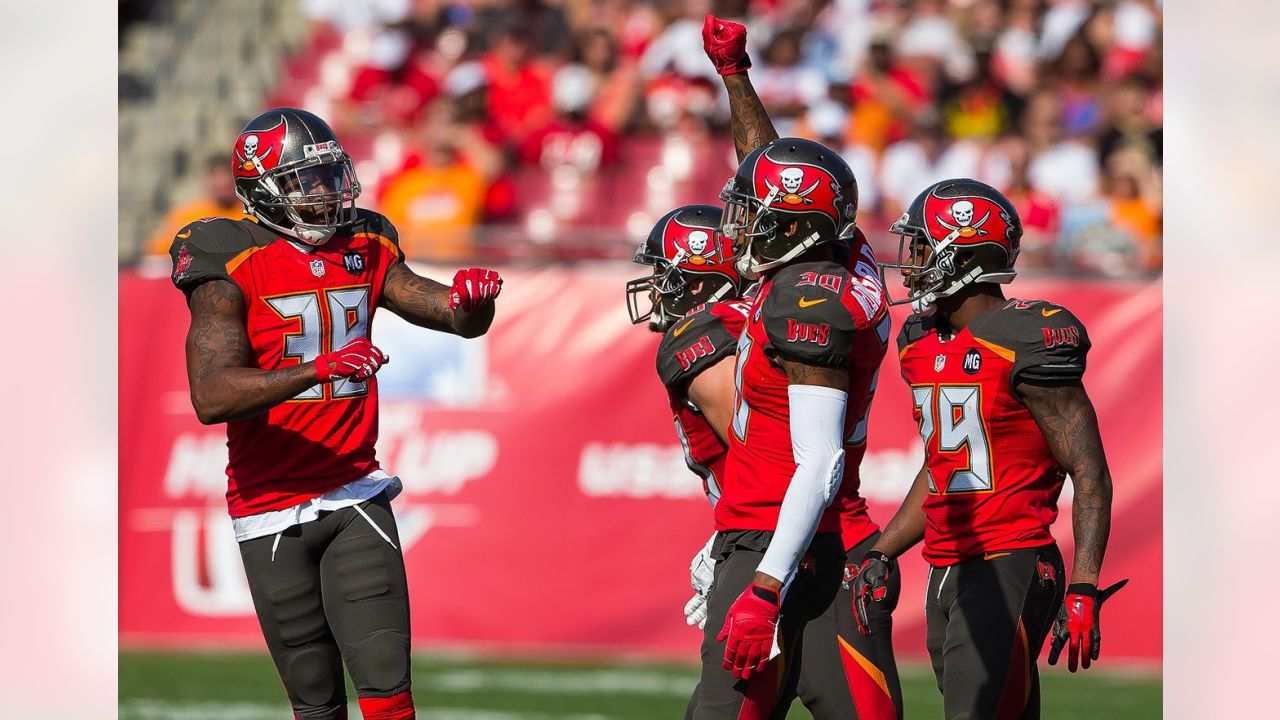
x=353, y=493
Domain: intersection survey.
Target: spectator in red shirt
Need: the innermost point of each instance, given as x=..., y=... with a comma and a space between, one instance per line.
x=519, y=85
x=571, y=139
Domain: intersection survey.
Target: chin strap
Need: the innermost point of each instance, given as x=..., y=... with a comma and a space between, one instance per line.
x=719, y=294
x=795, y=252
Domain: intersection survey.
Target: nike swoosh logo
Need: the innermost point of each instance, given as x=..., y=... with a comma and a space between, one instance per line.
x=809, y=303
x=682, y=328
x=184, y=234
x=993, y=556
x=1050, y=313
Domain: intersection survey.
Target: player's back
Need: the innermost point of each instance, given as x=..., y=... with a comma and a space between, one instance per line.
x=820, y=313
x=704, y=337
x=299, y=302
x=994, y=483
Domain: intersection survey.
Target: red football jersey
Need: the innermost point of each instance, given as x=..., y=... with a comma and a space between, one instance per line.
x=993, y=483
x=699, y=340
x=821, y=313
x=298, y=304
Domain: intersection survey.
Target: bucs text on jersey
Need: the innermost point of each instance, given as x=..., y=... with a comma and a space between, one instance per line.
x=993, y=482
x=820, y=313
x=699, y=340
x=298, y=304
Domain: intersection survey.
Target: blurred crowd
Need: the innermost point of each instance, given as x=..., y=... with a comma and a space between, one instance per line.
x=545, y=115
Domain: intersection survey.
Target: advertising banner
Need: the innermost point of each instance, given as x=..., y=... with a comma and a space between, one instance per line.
x=547, y=508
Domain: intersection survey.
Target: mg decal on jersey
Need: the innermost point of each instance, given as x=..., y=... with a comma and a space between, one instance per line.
x=353, y=262
x=1069, y=336
x=702, y=348
x=816, y=333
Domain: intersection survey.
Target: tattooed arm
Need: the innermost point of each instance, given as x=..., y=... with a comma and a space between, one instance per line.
x=751, y=125
x=1067, y=419
x=224, y=384
x=425, y=303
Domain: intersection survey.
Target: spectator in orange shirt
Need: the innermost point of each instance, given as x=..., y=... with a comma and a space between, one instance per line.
x=1134, y=196
x=436, y=204
x=219, y=201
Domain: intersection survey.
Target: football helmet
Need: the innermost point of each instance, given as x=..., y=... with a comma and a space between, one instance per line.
x=786, y=198
x=293, y=175
x=955, y=233
x=685, y=246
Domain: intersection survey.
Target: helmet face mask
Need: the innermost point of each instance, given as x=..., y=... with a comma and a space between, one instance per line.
x=664, y=290
x=750, y=225
x=306, y=191
x=692, y=265
x=955, y=233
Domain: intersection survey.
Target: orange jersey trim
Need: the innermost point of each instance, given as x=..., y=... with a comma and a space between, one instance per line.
x=386, y=242
x=1003, y=352
x=235, y=262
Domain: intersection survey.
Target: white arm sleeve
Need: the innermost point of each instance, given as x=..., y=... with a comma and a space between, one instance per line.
x=817, y=443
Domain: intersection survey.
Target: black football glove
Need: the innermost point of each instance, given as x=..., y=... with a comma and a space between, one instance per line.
x=871, y=583
x=1078, y=626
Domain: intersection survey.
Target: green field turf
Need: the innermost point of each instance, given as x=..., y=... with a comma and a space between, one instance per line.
x=155, y=686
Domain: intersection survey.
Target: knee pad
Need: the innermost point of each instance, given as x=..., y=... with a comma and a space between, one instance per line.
x=395, y=707
x=313, y=678
x=380, y=663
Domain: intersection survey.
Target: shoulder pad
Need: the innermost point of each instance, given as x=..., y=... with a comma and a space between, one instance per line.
x=378, y=226
x=696, y=342
x=804, y=314
x=1047, y=341
x=202, y=249
x=733, y=313
x=915, y=328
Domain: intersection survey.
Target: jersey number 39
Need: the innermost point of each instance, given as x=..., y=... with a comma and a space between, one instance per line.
x=957, y=419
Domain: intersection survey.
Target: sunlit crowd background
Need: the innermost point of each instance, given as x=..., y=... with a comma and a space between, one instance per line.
x=554, y=130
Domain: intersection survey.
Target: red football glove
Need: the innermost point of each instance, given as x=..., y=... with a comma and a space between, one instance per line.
x=473, y=287
x=725, y=42
x=1078, y=624
x=749, y=627
x=358, y=359
x=871, y=583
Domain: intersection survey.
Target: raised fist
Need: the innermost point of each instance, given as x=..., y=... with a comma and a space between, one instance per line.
x=725, y=42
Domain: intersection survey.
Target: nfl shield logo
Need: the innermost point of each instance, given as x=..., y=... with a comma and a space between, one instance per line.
x=317, y=268
x=939, y=362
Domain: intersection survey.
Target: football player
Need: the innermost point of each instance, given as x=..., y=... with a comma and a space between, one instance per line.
x=788, y=202
x=694, y=299
x=1004, y=417
x=278, y=349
